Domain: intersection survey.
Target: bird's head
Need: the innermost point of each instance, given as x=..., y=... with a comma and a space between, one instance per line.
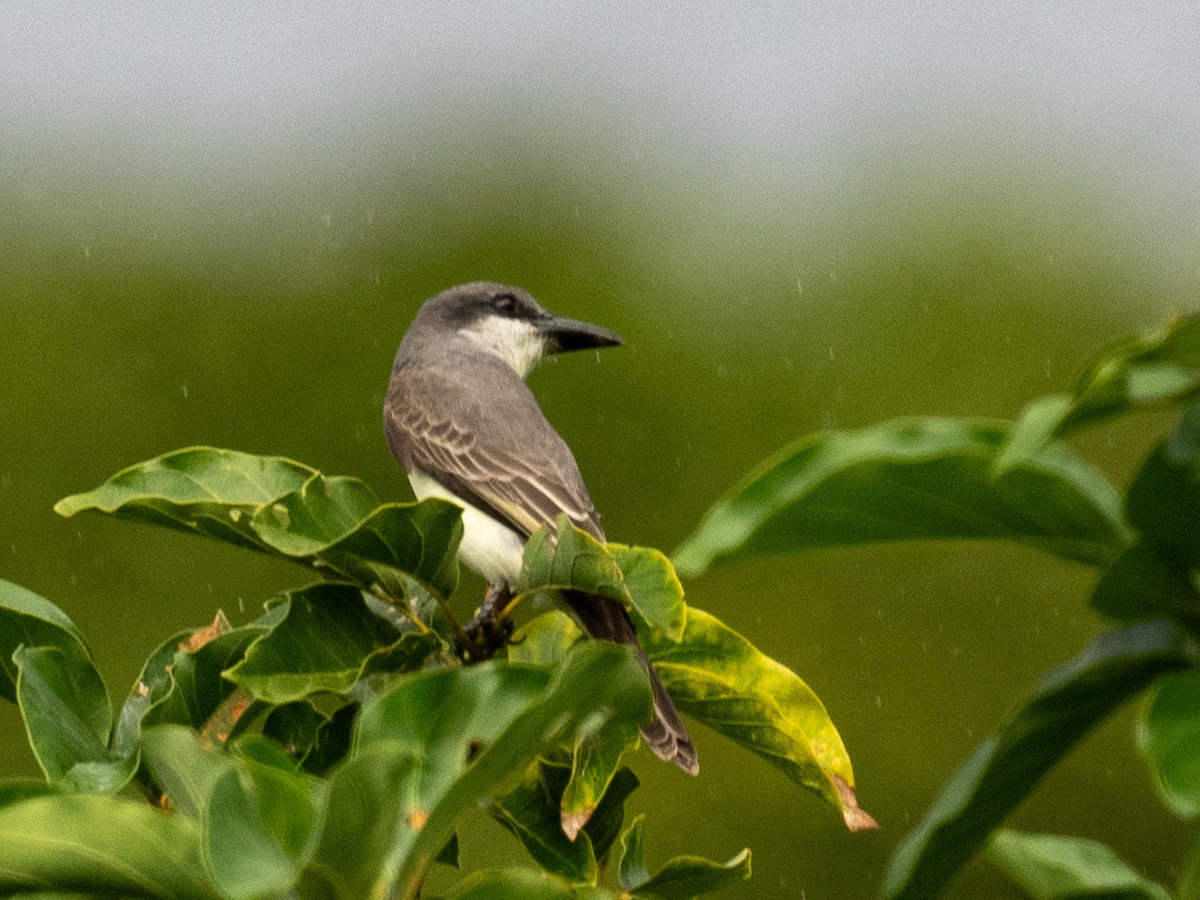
x=508, y=322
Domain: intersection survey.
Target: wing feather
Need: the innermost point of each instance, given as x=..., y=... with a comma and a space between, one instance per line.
x=522, y=473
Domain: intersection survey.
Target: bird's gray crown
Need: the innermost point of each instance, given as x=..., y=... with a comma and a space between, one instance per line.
x=465, y=304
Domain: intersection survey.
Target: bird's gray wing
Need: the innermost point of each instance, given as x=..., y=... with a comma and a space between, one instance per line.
x=502, y=455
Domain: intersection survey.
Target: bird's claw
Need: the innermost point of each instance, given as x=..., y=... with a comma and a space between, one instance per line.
x=485, y=638
x=486, y=633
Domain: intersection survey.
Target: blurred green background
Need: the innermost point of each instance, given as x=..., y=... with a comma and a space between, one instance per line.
x=216, y=226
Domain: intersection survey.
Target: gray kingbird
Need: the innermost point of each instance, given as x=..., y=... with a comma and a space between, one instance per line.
x=465, y=426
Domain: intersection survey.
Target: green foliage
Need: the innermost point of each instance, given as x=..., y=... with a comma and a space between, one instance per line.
x=1168, y=735
x=1157, y=368
x=718, y=677
x=1051, y=867
x=327, y=640
x=639, y=577
x=911, y=479
x=722, y=680
x=1005, y=768
x=329, y=747
x=28, y=620
x=334, y=525
x=682, y=877
x=926, y=478
x=68, y=719
x=101, y=845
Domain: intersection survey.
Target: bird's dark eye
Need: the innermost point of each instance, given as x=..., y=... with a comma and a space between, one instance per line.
x=505, y=304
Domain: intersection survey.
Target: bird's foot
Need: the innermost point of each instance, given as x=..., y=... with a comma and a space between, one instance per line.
x=486, y=633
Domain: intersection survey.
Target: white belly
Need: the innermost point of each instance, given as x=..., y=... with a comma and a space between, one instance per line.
x=488, y=547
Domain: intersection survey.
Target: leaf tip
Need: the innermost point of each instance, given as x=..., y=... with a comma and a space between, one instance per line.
x=573, y=822
x=741, y=861
x=201, y=636
x=68, y=506
x=856, y=818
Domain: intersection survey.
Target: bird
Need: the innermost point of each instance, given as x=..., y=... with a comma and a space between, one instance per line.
x=460, y=419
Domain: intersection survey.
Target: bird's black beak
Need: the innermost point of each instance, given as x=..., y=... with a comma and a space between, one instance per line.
x=563, y=335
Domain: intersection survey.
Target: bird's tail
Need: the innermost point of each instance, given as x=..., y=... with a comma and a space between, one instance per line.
x=667, y=735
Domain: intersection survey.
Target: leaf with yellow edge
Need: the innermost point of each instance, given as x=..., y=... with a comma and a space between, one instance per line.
x=720, y=678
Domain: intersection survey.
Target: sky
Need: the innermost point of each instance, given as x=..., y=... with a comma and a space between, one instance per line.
x=783, y=87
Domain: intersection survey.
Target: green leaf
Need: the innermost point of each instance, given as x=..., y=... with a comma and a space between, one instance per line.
x=1163, y=503
x=1158, y=367
x=604, y=824
x=31, y=621
x=681, y=878
x=260, y=828
x=1035, y=427
x=638, y=577
x=596, y=760
x=1147, y=581
x=295, y=725
x=530, y=810
x=720, y=678
x=100, y=844
x=1004, y=769
x=631, y=862
x=327, y=639
x=449, y=713
x=200, y=490
x=652, y=586
x=1168, y=735
x=439, y=741
x=364, y=814
x=1188, y=887
x=281, y=507
x=153, y=686
x=521, y=884
x=690, y=876
x=596, y=757
x=195, y=687
x=909, y=479
x=259, y=812
x=544, y=639
x=566, y=558
x=424, y=608
x=332, y=741
x=185, y=770
x=1053, y=867
x=68, y=718
x=338, y=523
x=317, y=739
x=260, y=749
x=18, y=789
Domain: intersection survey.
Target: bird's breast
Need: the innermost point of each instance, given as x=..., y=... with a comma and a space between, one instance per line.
x=489, y=547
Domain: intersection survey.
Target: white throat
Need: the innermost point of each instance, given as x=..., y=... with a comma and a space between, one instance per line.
x=517, y=343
